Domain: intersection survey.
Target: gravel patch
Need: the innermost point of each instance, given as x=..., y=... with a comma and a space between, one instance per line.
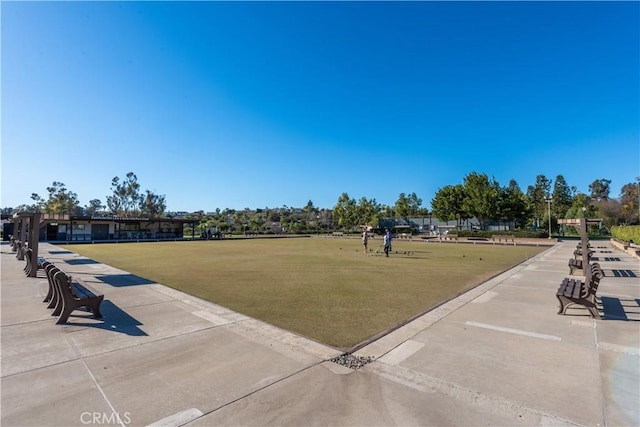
x=351, y=361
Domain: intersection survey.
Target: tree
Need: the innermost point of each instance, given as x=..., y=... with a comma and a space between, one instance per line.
x=94, y=207
x=630, y=200
x=610, y=210
x=152, y=205
x=581, y=207
x=345, y=211
x=311, y=212
x=481, y=197
x=61, y=200
x=562, y=197
x=600, y=189
x=512, y=204
x=536, y=196
x=446, y=205
x=126, y=196
x=367, y=211
x=126, y=199
x=407, y=206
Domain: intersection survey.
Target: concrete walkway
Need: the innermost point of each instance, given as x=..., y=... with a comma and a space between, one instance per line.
x=497, y=355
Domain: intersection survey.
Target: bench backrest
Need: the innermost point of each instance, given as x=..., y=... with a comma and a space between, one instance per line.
x=62, y=282
x=591, y=280
x=50, y=270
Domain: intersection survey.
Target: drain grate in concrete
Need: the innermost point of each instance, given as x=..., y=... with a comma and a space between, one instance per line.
x=351, y=361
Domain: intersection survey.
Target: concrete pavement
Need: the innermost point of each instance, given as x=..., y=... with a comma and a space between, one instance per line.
x=497, y=355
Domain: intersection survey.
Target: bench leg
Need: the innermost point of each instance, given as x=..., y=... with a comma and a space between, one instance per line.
x=590, y=303
x=594, y=312
x=64, y=316
x=49, y=295
x=66, y=311
x=564, y=303
x=96, y=311
x=58, y=306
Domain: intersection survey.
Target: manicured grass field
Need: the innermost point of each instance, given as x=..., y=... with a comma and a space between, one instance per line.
x=325, y=289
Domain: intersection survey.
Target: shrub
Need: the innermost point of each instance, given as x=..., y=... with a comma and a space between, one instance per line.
x=487, y=234
x=626, y=233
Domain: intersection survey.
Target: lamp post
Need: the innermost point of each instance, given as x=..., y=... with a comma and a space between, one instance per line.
x=549, y=200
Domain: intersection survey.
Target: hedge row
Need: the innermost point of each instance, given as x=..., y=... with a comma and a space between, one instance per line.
x=527, y=234
x=626, y=233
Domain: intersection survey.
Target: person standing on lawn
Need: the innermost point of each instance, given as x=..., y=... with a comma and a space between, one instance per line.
x=387, y=242
x=365, y=239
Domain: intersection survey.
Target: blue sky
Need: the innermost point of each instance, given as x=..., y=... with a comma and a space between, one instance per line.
x=265, y=104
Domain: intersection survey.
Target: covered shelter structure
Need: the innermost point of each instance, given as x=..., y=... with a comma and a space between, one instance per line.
x=60, y=228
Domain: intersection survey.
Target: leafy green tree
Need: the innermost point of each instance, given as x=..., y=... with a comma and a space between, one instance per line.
x=610, y=210
x=407, y=206
x=387, y=211
x=152, y=205
x=126, y=199
x=61, y=200
x=94, y=206
x=630, y=201
x=367, y=211
x=481, y=197
x=37, y=206
x=536, y=196
x=581, y=207
x=447, y=203
x=126, y=195
x=600, y=189
x=344, y=212
x=512, y=205
x=562, y=197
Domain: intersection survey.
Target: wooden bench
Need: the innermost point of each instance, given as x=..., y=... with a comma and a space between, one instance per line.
x=574, y=264
x=70, y=295
x=573, y=291
x=21, y=250
x=577, y=254
x=32, y=263
x=449, y=236
x=50, y=269
x=505, y=237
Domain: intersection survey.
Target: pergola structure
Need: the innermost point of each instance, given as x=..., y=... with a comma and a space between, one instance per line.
x=27, y=229
x=582, y=225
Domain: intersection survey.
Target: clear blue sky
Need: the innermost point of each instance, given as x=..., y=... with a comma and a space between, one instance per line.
x=265, y=104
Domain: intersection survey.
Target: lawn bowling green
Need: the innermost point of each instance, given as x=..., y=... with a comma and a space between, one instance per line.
x=324, y=288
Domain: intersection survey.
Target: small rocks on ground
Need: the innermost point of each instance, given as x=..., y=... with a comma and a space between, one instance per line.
x=351, y=361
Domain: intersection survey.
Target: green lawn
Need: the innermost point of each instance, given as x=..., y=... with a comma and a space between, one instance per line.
x=325, y=289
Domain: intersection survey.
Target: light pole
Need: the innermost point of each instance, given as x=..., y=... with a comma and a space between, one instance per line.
x=549, y=200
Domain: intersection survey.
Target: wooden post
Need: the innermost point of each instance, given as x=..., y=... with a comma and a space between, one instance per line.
x=23, y=229
x=34, y=238
x=584, y=239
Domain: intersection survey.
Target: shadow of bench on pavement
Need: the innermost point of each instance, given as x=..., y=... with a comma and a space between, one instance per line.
x=120, y=280
x=620, y=309
x=114, y=320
